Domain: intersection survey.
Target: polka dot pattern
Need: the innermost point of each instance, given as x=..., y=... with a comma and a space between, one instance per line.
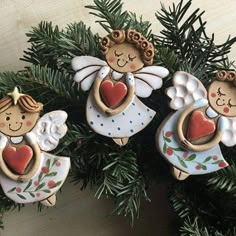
x=125, y=124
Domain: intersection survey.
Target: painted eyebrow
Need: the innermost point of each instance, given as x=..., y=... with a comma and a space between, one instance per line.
x=8, y=114
x=23, y=112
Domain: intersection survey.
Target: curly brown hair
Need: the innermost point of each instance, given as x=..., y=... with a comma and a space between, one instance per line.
x=131, y=36
x=26, y=103
x=229, y=76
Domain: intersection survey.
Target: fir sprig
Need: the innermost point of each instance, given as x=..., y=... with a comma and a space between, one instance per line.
x=111, y=14
x=44, y=41
x=187, y=38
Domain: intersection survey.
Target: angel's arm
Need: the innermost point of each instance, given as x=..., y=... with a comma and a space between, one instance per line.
x=22, y=178
x=202, y=147
x=130, y=82
x=3, y=166
x=30, y=137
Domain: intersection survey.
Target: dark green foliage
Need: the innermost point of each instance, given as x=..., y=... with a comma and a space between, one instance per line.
x=205, y=205
x=111, y=14
x=197, y=53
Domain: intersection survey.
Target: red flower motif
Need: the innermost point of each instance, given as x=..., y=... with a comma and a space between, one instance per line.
x=58, y=163
x=36, y=183
x=51, y=184
x=168, y=134
x=18, y=190
x=185, y=154
x=198, y=167
x=45, y=169
x=222, y=164
x=215, y=157
x=37, y=194
x=169, y=151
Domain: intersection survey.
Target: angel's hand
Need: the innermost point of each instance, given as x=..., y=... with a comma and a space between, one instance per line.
x=185, y=144
x=23, y=178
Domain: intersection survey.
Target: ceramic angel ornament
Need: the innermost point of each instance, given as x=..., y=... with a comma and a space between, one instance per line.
x=189, y=138
x=113, y=109
x=27, y=172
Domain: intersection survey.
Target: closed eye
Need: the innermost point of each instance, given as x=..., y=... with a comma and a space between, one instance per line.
x=229, y=104
x=131, y=58
x=220, y=93
x=117, y=54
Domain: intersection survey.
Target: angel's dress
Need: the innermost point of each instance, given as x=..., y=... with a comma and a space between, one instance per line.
x=48, y=179
x=130, y=121
x=191, y=162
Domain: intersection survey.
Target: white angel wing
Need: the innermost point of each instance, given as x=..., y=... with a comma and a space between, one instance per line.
x=229, y=135
x=186, y=90
x=86, y=68
x=149, y=78
x=49, y=129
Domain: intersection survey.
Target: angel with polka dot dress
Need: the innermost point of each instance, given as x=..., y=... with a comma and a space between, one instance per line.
x=113, y=109
x=28, y=173
x=189, y=138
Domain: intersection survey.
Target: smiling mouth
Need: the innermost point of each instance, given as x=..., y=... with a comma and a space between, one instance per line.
x=118, y=64
x=15, y=129
x=218, y=104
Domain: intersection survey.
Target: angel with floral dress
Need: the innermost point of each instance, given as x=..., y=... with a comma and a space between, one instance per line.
x=27, y=172
x=113, y=109
x=189, y=138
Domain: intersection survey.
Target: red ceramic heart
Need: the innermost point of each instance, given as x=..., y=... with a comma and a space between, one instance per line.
x=18, y=159
x=112, y=94
x=199, y=126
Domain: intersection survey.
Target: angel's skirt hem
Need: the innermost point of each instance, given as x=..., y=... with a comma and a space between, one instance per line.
x=191, y=162
x=49, y=178
x=125, y=124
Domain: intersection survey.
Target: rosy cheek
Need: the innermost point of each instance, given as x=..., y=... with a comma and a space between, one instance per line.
x=226, y=110
x=29, y=123
x=132, y=66
x=2, y=124
x=111, y=59
x=213, y=95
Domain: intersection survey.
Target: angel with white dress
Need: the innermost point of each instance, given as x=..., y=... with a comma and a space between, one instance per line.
x=27, y=172
x=189, y=138
x=113, y=109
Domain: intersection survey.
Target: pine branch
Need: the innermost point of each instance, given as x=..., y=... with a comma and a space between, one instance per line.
x=192, y=228
x=44, y=44
x=197, y=53
x=6, y=205
x=224, y=180
x=120, y=169
x=129, y=199
x=111, y=14
x=137, y=23
x=58, y=88
x=77, y=40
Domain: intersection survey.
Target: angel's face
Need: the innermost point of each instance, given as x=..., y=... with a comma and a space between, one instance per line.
x=124, y=57
x=222, y=98
x=16, y=122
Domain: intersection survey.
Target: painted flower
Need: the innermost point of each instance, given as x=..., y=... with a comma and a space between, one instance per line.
x=169, y=151
x=18, y=190
x=45, y=169
x=58, y=163
x=51, y=184
x=198, y=167
x=222, y=164
x=168, y=134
